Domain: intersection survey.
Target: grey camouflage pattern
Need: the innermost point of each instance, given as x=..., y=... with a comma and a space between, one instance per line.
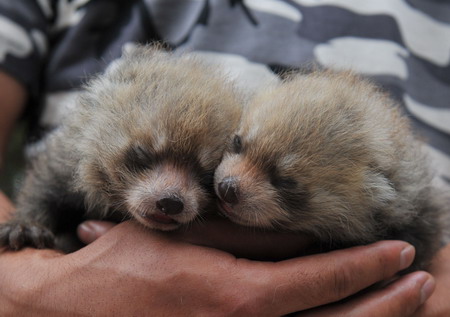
x=66, y=42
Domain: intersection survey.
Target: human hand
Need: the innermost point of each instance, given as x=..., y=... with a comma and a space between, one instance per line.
x=311, y=281
x=374, y=304
x=438, y=304
x=220, y=233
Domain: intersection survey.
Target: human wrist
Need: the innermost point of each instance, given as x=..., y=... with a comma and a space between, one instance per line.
x=6, y=207
x=23, y=281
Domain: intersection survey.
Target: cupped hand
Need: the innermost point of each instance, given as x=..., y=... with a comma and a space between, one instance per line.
x=399, y=298
x=214, y=281
x=220, y=233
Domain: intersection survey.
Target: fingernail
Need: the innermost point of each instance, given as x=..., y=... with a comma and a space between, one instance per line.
x=407, y=257
x=87, y=232
x=426, y=290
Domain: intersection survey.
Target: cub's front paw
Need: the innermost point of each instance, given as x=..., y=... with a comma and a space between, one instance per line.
x=16, y=235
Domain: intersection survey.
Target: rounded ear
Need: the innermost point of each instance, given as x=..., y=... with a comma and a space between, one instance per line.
x=136, y=50
x=134, y=55
x=129, y=48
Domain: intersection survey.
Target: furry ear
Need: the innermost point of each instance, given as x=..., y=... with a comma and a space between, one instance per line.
x=135, y=50
x=122, y=68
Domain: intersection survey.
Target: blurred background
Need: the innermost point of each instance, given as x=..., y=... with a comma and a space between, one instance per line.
x=15, y=162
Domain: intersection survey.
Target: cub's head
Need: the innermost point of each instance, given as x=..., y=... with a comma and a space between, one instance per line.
x=302, y=159
x=151, y=132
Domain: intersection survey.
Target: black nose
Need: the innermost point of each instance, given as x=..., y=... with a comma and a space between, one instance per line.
x=170, y=206
x=228, y=190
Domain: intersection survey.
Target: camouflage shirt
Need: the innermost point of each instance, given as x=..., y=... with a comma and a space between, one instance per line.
x=54, y=46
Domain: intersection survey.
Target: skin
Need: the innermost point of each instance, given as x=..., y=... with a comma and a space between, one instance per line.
x=319, y=277
x=126, y=270
x=438, y=304
x=12, y=103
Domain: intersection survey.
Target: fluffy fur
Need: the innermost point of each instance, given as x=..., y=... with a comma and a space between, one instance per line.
x=143, y=142
x=329, y=155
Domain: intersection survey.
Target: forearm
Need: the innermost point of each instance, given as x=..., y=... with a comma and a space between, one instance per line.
x=12, y=102
x=13, y=96
x=6, y=207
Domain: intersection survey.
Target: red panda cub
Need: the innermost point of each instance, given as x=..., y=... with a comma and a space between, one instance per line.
x=329, y=155
x=142, y=142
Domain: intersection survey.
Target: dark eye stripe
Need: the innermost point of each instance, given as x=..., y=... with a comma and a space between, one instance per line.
x=237, y=144
x=137, y=159
x=292, y=195
x=283, y=182
x=206, y=179
x=293, y=201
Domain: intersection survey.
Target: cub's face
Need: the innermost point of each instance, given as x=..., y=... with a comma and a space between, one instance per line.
x=165, y=189
x=153, y=131
x=300, y=164
x=259, y=190
x=162, y=176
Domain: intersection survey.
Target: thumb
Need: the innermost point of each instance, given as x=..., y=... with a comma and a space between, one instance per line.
x=90, y=230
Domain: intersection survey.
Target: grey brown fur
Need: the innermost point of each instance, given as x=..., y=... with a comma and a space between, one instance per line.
x=151, y=130
x=330, y=155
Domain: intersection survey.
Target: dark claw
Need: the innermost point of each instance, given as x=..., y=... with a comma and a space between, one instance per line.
x=41, y=237
x=17, y=235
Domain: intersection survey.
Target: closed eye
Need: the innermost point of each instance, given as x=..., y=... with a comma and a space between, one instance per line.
x=292, y=195
x=137, y=158
x=237, y=144
x=283, y=182
x=207, y=180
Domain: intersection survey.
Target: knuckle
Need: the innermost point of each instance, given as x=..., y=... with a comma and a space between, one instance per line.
x=328, y=284
x=401, y=299
x=342, y=283
x=384, y=265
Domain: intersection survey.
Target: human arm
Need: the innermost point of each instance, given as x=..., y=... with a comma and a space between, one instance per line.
x=130, y=270
x=319, y=276
x=12, y=102
x=438, y=304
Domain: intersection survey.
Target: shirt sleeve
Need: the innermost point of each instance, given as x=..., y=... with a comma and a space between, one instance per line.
x=23, y=40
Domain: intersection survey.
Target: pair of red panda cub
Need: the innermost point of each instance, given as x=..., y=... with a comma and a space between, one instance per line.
x=153, y=138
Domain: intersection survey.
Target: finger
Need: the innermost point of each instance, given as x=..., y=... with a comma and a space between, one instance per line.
x=241, y=241
x=90, y=230
x=400, y=299
x=438, y=304
x=316, y=280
